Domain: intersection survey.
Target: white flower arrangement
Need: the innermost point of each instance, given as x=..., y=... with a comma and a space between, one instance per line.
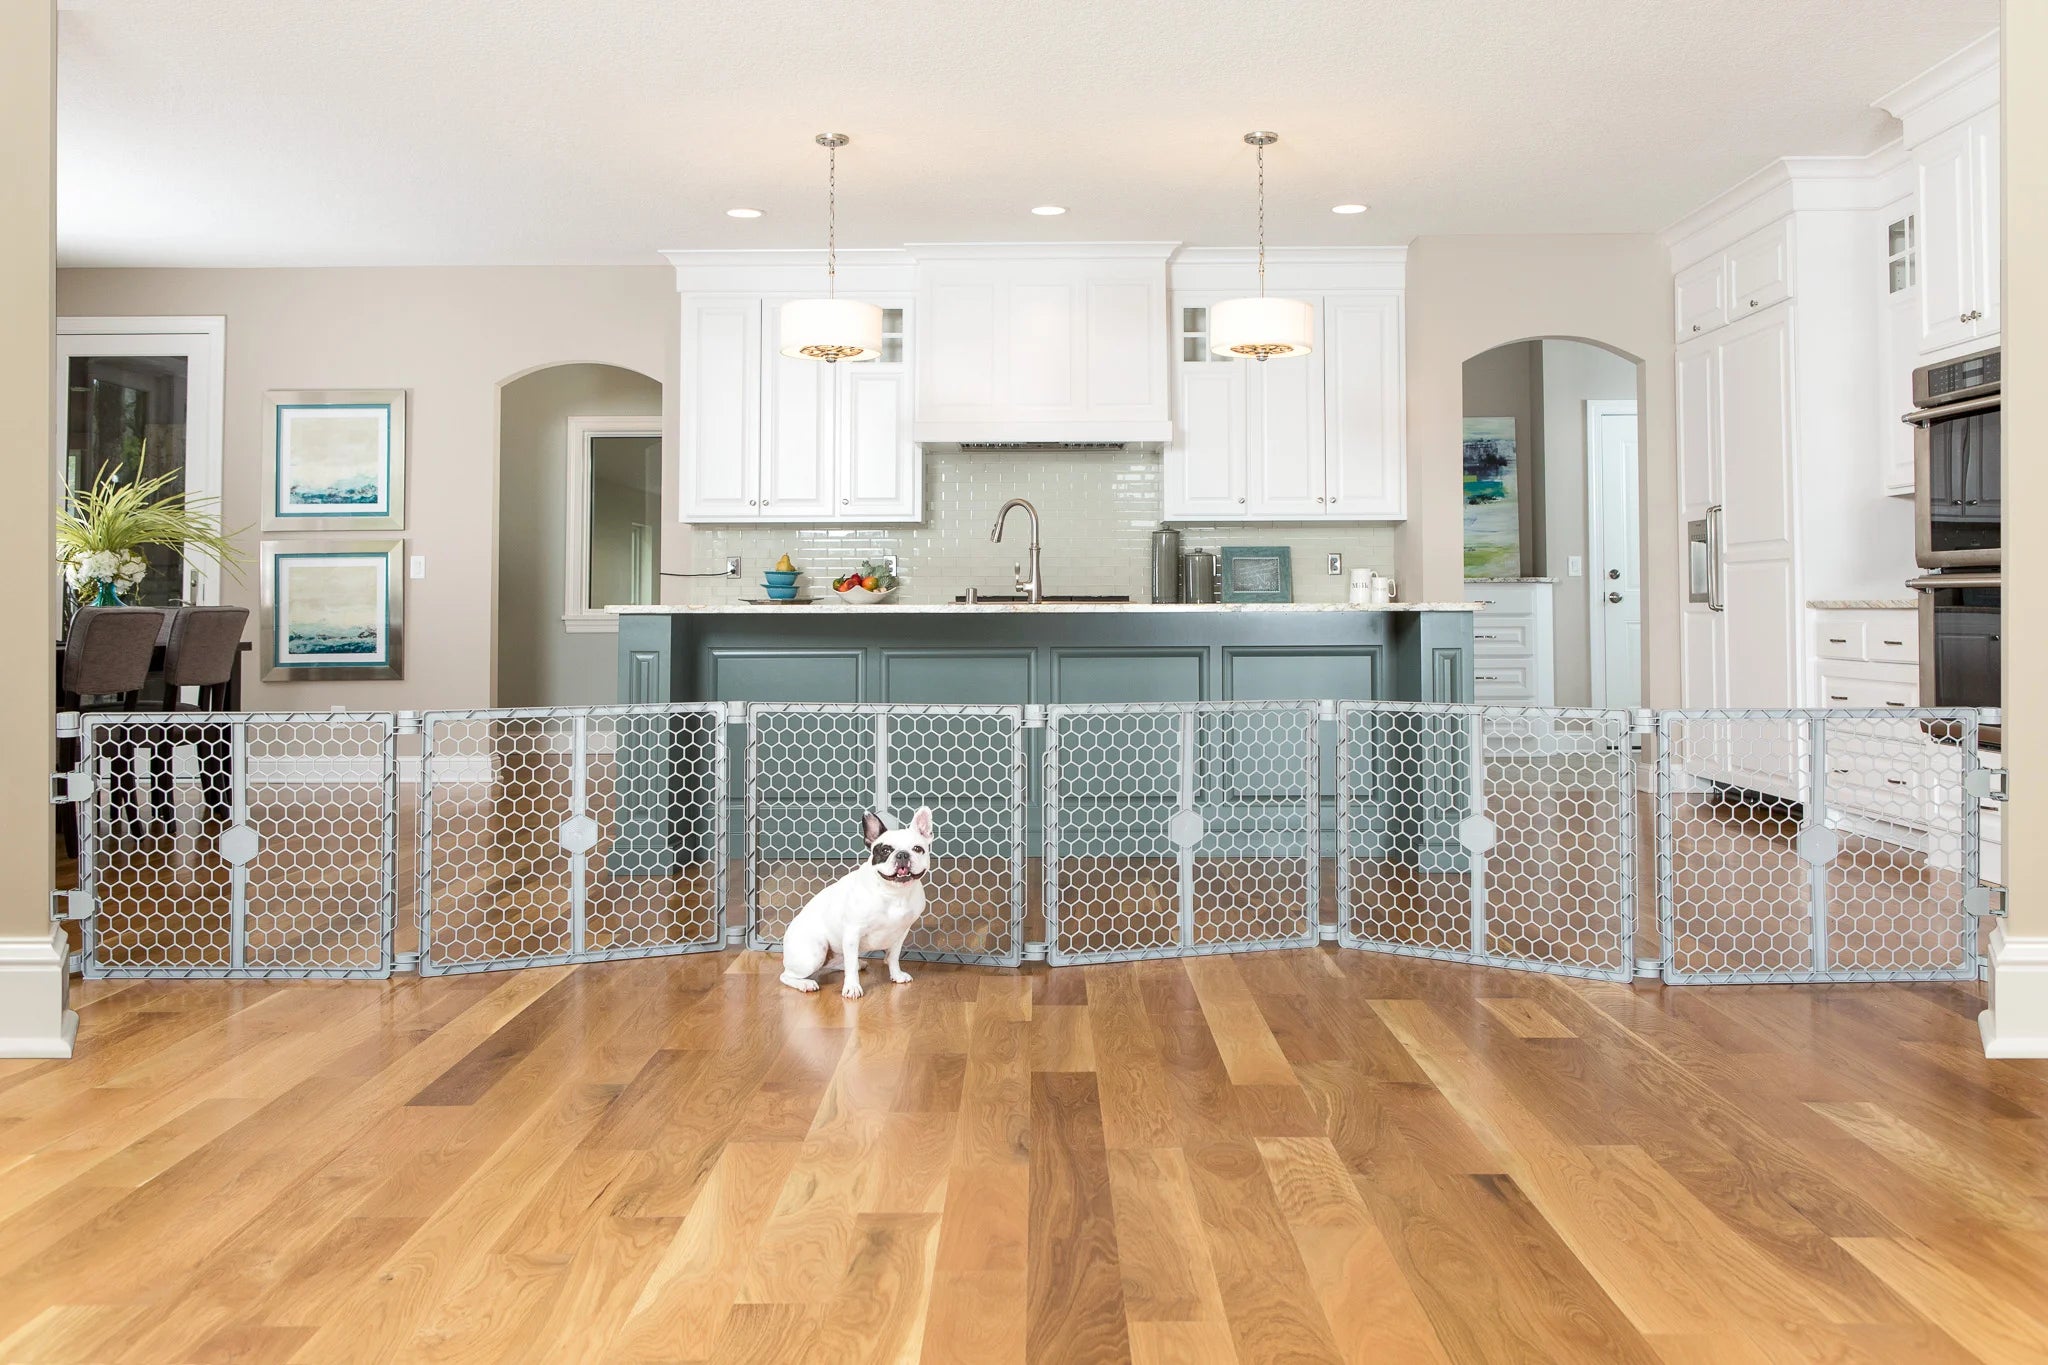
x=123, y=568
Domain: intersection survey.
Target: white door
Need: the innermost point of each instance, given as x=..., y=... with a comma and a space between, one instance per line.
x=1284, y=480
x=878, y=462
x=721, y=410
x=1363, y=401
x=1617, y=634
x=796, y=432
x=138, y=398
x=1949, y=229
x=1989, y=210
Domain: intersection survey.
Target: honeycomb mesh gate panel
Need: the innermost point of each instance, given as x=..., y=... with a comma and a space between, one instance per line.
x=1495, y=835
x=239, y=844
x=571, y=834
x=1175, y=829
x=814, y=769
x=1817, y=846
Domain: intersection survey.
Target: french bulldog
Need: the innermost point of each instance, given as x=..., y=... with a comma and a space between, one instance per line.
x=871, y=907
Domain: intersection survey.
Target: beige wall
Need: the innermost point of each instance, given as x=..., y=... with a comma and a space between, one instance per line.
x=27, y=545
x=2025, y=342
x=1572, y=373
x=448, y=336
x=540, y=663
x=1469, y=294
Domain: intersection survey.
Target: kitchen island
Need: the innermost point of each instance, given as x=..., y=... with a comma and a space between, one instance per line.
x=1014, y=652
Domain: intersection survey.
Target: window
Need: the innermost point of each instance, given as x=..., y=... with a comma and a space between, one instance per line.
x=1902, y=256
x=613, y=546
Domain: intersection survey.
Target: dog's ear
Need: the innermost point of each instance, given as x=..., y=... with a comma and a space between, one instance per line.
x=872, y=828
x=922, y=821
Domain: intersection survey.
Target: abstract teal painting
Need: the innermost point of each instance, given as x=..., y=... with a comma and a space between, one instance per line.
x=1493, y=517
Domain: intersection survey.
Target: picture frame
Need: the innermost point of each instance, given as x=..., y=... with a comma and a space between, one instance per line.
x=332, y=610
x=334, y=460
x=1256, y=573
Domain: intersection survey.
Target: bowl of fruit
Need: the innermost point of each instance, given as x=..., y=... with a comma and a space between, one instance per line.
x=865, y=586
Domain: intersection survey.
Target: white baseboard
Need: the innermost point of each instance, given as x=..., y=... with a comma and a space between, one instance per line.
x=2016, y=1025
x=35, y=983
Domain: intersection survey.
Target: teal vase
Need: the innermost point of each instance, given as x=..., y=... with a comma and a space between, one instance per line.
x=107, y=597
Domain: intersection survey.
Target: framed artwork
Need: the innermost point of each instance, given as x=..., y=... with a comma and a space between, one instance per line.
x=332, y=610
x=1256, y=573
x=334, y=460
x=1493, y=515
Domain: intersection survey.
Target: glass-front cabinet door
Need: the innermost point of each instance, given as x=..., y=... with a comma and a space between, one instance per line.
x=138, y=404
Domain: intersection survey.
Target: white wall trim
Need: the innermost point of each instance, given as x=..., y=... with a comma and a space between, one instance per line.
x=577, y=617
x=35, y=982
x=2016, y=1024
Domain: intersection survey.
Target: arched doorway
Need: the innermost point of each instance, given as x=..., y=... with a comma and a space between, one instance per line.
x=1552, y=506
x=579, y=527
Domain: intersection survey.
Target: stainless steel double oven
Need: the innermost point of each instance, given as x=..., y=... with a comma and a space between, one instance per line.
x=1958, y=532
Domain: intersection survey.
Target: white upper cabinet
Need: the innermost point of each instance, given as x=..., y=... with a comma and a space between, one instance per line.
x=1745, y=278
x=771, y=438
x=721, y=409
x=1056, y=343
x=1312, y=438
x=1959, y=232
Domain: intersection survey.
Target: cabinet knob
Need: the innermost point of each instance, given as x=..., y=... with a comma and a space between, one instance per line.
x=1318, y=499
x=845, y=501
x=1695, y=326
x=1965, y=317
x=1240, y=501
x=1752, y=303
x=752, y=503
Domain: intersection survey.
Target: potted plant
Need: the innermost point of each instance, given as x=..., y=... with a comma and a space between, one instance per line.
x=101, y=531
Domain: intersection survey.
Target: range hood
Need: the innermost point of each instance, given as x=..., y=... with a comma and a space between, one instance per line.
x=1043, y=447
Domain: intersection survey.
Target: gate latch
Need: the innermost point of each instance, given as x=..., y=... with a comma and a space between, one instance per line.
x=1984, y=900
x=1985, y=783
x=70, y=905
x=70, y=788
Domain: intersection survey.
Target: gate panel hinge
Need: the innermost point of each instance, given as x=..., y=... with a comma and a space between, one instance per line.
x=1984, y=900
x=1985, y=783
x=1642, y=721
x=1034, y=716
x=405, y=722
x=68, y=725
x=735, y=712
x=1326, y=709
x=70, y=905
x=70, y=788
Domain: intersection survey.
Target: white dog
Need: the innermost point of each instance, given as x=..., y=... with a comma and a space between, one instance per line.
x=871, y=907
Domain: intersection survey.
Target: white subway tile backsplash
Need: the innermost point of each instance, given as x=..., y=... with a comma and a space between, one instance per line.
x=1097, y=513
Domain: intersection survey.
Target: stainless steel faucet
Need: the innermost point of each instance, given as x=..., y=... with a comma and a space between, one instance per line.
x=1034, y=586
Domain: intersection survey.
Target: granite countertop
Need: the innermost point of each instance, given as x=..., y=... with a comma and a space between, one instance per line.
x=1074, y=608
x=1864, y=604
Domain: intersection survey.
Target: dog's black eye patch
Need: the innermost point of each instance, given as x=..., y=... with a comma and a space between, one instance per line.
x=882, y=853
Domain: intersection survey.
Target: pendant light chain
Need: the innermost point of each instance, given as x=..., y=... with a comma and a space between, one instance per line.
x=832, y=222
x=1261, y=149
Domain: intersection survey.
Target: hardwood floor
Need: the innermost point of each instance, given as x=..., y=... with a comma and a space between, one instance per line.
x=1292, y=1156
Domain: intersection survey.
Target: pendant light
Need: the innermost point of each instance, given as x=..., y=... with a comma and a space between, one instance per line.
x=831, y=329
x=1262, y=328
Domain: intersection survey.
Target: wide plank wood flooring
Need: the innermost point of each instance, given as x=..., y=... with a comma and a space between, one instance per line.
x=1292, y=1156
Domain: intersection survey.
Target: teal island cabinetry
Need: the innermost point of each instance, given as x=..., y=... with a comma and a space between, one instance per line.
x=1032, y=654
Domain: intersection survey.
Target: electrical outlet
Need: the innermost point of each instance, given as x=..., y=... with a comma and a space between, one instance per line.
x=732, y=566
x=1574, y=566
x=890, y=560
x=1336, y=564
x=418, y=567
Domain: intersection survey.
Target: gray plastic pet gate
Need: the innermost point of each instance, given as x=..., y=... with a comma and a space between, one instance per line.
x=235, y=844
x=573, y=834
x=814, y=769
x=1783, y=846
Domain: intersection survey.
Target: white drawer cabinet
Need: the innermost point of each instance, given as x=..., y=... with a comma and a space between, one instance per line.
x=1865, y=658
x=1747, y=277
x=1514, y=658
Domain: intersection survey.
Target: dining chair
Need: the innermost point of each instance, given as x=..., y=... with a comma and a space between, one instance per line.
x=107, y=654
x=200, y=645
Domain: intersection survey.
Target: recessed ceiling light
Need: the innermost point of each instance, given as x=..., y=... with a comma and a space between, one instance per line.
x=743, y=213
x=1350, y=208
x=1048, y=210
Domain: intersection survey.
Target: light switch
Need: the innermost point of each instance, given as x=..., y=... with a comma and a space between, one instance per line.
x=418, y=567
x=1575, y=566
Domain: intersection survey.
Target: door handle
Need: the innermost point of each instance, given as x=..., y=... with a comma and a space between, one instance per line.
x=1614, y=573
x=1715, y=602
x=1614, y=597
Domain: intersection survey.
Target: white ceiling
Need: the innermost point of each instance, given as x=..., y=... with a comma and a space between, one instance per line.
x=253, y=132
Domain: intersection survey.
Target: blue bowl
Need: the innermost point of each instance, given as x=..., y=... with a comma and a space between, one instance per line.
x=774, y=578
x=780, y=592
